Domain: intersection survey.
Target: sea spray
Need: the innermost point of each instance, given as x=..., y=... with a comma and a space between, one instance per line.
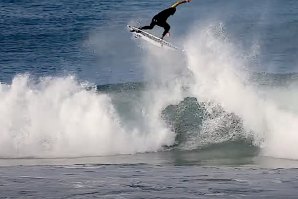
x=58, y=117
x=219, y=78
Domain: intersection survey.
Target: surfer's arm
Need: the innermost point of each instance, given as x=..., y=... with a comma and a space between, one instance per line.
x=180, y=2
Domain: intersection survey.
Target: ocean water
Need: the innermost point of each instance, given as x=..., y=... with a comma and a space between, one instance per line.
x=87, y=111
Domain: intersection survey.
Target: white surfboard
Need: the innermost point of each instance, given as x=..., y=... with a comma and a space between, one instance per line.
x=138, y=33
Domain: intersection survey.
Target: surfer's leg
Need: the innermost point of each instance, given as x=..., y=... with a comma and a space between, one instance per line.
x=167, y=28
x=153, y=23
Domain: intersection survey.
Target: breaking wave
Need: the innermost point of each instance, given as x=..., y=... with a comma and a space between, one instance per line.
x=202, y=100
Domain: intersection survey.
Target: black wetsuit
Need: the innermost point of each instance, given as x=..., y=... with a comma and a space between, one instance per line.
x=161, y=20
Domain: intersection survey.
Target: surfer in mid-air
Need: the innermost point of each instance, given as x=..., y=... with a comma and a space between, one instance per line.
x=161, y=18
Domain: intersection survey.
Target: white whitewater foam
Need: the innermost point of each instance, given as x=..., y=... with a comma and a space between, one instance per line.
x=219, y=77
x=58, y=117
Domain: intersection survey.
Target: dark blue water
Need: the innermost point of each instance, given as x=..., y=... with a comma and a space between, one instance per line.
x=52, y=38
x=144, y=181
x=132, y=121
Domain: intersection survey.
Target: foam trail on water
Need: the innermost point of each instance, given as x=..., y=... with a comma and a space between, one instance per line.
x=58, y=117
x=219, y=77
